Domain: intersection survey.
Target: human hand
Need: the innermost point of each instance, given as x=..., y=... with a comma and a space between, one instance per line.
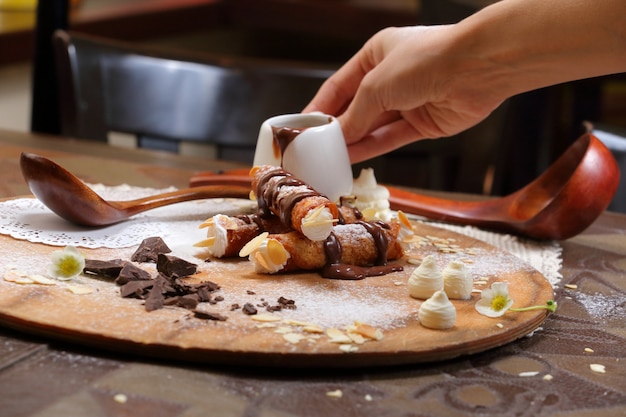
x=404, y=85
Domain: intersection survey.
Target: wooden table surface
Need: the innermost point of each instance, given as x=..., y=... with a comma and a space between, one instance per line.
x=41, y=377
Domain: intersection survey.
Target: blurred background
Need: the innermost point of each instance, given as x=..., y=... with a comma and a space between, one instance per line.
x=516, y=143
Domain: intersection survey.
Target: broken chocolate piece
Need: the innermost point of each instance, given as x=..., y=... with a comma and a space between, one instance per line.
x=155, y=299
x=136, y=289
x=150, y=249
x=105, y=269
x=131, y=272
x=174, y=267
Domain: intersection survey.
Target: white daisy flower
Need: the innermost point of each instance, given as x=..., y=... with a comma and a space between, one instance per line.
x=494, y=302
x=67, y=263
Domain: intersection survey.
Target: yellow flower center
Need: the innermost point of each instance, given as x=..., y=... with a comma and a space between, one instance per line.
x=68, y=266
x=498, y=302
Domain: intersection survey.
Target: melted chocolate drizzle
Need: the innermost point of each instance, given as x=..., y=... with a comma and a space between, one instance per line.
x=283, y=136
x=335, y=269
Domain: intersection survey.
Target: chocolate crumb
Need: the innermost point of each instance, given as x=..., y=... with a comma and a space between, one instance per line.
x=249, y=309
x=234, y=307
x=250, y=292
x=173, y=266
x=150, y=249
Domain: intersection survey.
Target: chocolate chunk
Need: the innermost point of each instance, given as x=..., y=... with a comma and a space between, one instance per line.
x=106, y=269
x=172, y=266
x=249, y=309
x=136, y=289
x=150, y=249
x=131, y=272
x=189, y=301
x=155, y=299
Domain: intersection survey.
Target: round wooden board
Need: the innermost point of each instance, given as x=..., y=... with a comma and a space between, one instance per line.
x=102, y=318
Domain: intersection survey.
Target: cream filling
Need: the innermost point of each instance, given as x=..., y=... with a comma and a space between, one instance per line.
x=217, y=235
x=437, y=312
x=371, y=199
x=426, y=279
x=318, y=224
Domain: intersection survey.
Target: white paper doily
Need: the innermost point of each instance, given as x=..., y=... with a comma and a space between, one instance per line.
x=28, y=219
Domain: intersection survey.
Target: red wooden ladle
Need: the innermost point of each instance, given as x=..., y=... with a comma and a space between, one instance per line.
x=559, y=204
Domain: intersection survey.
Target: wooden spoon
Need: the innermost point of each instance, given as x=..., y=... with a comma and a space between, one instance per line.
x=69, y=197
x=559, y=204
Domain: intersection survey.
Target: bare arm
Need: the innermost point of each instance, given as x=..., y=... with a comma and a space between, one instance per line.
x=412, y=83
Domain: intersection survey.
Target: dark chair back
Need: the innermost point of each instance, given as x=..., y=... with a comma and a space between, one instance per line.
x=165, y=97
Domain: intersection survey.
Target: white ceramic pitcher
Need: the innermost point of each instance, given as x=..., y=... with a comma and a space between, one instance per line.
x=315, y=151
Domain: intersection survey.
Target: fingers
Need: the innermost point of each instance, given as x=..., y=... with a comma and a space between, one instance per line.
x=337, y=92
x=385, y=138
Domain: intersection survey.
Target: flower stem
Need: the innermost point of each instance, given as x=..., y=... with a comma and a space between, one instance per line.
x=550, y=306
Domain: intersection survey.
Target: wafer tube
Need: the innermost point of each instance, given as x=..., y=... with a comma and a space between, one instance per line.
x=226, y=235
x=294, y=202
x=361, y=244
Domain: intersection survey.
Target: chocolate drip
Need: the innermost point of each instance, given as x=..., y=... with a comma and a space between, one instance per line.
x=283, y=136
x=335, y=269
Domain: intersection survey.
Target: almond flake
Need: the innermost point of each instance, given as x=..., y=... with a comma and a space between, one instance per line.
x=266, y=325
x=293, y=338
x=206, y=243
x=80, y=289
x=596, y=367
x=266, y=318
x=368, y=331
x=253, y=244
x=337, y=336
x=207, y=223
x=120, y=398
x=13, y=276
x=335, y=394
x=348, y=348
x=312, y=329
x=404, y=220
x=571, y=286
x=547, y=377
x=589, y=350
x=40, y=279
x=260, y=258
x=356, y=338
x=276, y=252
x=528, y=374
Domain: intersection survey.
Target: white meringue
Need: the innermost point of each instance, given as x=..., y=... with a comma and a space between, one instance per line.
x=457, y=281
x=437, y=312
x=426, y=279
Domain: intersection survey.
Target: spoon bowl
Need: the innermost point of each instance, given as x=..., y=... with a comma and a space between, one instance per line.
x=70, y=198
x=559, y=204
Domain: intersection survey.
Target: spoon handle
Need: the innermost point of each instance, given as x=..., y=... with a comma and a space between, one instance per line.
x=140, y=205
